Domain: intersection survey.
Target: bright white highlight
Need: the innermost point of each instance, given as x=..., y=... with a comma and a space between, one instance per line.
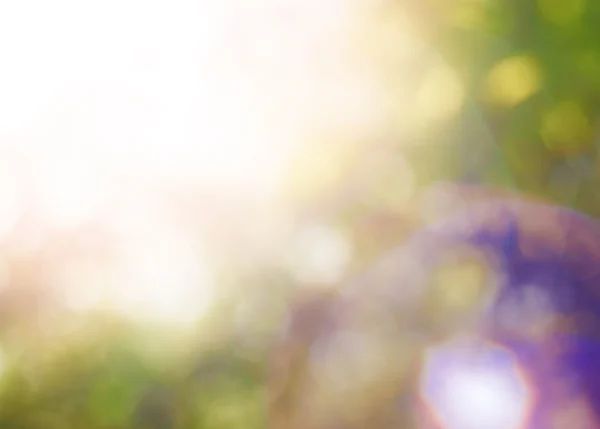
x=467, y=391
x=212, y=91
x=481, y=400
x=70, y=193
x=10, y=198
x=215, y=96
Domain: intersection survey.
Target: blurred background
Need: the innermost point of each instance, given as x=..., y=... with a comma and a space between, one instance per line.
x=174, y=174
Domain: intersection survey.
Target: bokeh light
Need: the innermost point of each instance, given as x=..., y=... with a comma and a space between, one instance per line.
x=513, y=80
x=468, y=386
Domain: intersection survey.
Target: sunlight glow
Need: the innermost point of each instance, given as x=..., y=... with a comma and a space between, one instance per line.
x=215, y=95
x=10, y=199
x=192, y=90
x=70, y=194
x=167, y=284
x=159, y=274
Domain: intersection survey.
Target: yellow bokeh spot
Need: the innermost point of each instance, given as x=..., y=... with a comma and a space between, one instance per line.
x=566, y=127
x=460, y=285
x=441, y=94
x=561, y=12
x=458, y=288
x=513, y=80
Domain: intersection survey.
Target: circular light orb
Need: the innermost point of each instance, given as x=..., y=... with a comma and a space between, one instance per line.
x=475, y=389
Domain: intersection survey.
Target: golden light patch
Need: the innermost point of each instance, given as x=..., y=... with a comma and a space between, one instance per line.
x=441, y=95
x=459, y=287
x=513, y=80
x=460, y=284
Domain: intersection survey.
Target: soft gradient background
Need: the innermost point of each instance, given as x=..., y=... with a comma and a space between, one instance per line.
x=175, y=175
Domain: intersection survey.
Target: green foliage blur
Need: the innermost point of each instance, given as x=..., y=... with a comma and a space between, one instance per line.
x=532, y=72
x=528, y=121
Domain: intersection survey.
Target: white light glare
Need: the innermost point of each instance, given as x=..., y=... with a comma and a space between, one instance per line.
x=183, y=88
x=475, y=395
x=482, y=400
